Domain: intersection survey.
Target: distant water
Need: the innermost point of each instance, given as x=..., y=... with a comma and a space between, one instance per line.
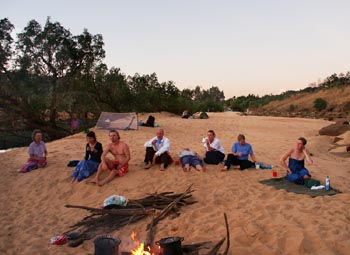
x=3, y=151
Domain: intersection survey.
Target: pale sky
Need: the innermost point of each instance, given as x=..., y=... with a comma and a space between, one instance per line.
x=260, y=47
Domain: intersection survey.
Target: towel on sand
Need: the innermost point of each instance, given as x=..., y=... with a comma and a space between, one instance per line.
x=282, y=183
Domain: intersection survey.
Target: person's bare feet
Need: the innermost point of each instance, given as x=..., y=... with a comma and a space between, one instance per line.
x=148, y=166
x=95, y=181
x=161, y=167
x=224, y=169
x=199, y=168
x=101, y=183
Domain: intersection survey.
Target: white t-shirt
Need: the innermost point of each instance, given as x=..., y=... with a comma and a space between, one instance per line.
x=216, y=145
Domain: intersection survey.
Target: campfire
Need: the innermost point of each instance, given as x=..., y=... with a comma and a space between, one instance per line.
x=157, y=205
x=141, y=249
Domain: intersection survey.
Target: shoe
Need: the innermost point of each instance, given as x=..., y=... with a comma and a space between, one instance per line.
x=76, y=243
x=262, y=166
x=73, y=235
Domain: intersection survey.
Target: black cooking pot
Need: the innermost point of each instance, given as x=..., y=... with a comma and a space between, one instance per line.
x=107, y=245
x=171, y=245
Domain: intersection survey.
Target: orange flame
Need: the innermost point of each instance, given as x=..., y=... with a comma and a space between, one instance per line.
x=133, y=235
x=141, y=250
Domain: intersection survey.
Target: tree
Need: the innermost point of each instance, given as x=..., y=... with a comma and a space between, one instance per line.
x=6, y=42
x=59, y=58
x=111, y=90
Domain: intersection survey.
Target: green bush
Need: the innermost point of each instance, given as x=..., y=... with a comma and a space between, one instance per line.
x=292, y=107
x=320, y=104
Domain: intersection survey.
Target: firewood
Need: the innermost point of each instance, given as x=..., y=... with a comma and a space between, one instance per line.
x=113, y=211
x=216, y=248
x=227, y=236
x=190, y=248
x=162, y=215
x=102, y=221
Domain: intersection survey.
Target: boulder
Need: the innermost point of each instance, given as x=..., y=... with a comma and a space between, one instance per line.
x=335, y=129
x=342, y=122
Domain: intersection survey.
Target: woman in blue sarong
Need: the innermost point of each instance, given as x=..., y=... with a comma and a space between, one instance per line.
x=296, y=171
x=89, y=165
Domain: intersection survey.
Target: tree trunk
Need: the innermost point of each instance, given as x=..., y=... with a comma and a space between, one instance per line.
x=53, y=106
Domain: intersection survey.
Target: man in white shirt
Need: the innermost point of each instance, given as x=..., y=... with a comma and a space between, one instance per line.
x=157, y=151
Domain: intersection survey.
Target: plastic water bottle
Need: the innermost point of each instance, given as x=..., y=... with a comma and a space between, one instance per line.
x=327, y=183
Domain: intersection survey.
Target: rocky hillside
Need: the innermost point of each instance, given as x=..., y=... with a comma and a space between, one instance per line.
x=302, y=105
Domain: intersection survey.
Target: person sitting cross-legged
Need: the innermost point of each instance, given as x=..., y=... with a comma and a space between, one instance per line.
x=239, y=156
x=37, y=153
x=157, y=151
x=215, y=153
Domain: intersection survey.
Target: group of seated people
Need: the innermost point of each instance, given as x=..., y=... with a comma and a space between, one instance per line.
x=157, y=152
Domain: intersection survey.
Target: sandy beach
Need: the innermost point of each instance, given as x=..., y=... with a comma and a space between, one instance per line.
x=262, y=220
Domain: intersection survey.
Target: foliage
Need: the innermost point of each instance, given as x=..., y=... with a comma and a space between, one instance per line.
x=6, y=41
x=292, y=107
x=320, y=104
x=242, y=103
x=48, y=70
x=49, y=66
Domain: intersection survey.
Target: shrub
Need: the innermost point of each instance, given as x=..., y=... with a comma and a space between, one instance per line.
x=320, y=104
x=292, y=107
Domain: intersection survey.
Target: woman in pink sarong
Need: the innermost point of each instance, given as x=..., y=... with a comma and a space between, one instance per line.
x=37, y=153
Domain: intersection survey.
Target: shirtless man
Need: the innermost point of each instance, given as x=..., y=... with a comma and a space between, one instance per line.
x=118, y=166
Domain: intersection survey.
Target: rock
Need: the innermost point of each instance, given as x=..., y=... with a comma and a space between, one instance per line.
x=342, y=122
x=337, y=139
x=334, y=130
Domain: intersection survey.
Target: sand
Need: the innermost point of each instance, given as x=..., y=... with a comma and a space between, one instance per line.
x=262, y=220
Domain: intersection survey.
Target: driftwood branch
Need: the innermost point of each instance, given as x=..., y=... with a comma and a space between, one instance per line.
x=102, y=221
x=114, y=211
x=167, y=209
x=227, y=236
x=151, y=226
x=194, y=248
x=216, y=248
x=150, y=234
